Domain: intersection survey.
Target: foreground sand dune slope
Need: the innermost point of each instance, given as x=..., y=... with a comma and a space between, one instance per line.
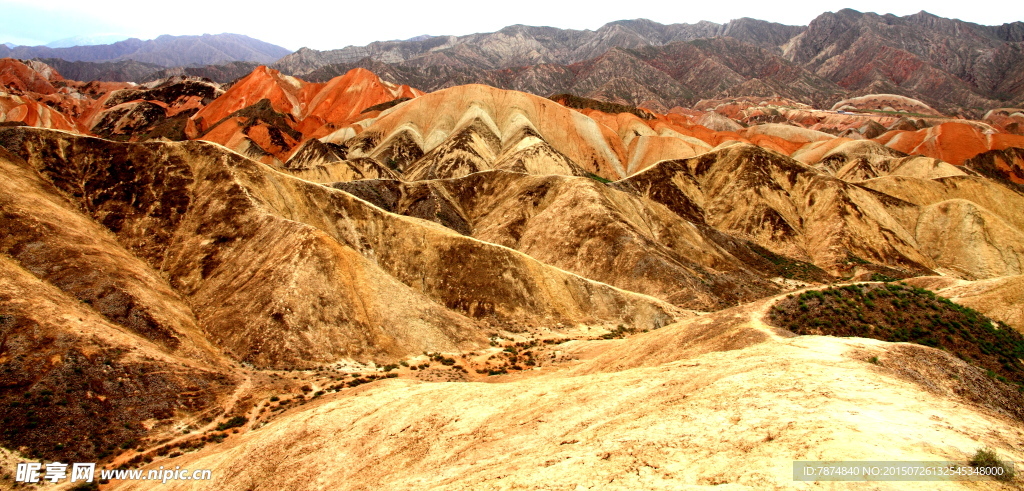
x=717, y=400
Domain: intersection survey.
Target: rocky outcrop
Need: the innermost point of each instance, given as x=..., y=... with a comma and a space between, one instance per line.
x=951, y=65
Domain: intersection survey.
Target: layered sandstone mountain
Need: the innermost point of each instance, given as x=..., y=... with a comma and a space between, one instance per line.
x=268, y=115
x=483, y=263
x=458, y=132
x=952, y=142
x=569, y=222
x=1010, y=120
x=37, y=95
x=249, y=246
x=29, y=96
x=658, y=77
x=786, y=207
x=455, y=132
x=1006, y=166
x=265, y=115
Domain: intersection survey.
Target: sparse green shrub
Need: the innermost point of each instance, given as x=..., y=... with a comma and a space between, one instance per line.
x=881, y=277
x=578, y=102
x=619, y=332
x=897, y=312
x=234, y=422
x=385, y=105
x=986, y=457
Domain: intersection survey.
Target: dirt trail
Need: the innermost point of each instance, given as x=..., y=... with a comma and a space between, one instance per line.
x=227, y=407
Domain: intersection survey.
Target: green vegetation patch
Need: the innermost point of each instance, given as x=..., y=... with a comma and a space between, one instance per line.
x=234, y=422
x=577, y=102
x=988, y=458
x=386, y=105
x=896, y=312
x=894, y=113
x=598, y=178
x=882, y=277
x=619, y=332
x=792, y=269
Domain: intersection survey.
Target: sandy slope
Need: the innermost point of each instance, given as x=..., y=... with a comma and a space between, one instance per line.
x=703, y=417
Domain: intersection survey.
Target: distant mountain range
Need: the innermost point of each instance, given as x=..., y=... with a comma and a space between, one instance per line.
x=136, y=71
x=520, y=45
x=951, y=64
x=656, y=77
x=954, y=66
x=164, y=51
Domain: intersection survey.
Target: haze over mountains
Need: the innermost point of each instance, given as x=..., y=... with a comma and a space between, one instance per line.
x=336, y=281
x=85, y=40
x=165, y=51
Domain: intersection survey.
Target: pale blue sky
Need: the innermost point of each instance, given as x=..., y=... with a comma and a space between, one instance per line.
x=332, y=24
